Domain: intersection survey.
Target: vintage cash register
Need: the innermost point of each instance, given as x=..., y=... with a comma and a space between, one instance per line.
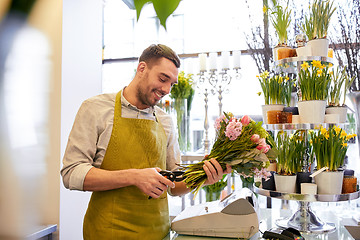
x=233, y=217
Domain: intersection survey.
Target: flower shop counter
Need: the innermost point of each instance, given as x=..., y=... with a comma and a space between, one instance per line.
x=267, y=219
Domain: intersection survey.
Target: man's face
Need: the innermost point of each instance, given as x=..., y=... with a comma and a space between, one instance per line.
x=156, y=82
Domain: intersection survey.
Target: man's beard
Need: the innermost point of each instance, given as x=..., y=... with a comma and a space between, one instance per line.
x=144, y=99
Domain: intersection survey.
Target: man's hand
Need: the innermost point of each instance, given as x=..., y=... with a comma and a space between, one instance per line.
x=151, y=182
x=214, y=171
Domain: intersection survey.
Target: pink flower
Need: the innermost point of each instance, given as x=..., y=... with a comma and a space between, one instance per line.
x=262, y=142
x=218, y=121
x=245, y=120
x=264, y=148
x=233, y=129
x=263, y=173
x=255, y=138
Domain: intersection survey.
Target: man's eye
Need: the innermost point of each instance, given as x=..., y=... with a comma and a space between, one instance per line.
x=162, y=80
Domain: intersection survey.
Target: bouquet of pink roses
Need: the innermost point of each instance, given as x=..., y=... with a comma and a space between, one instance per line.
x=241, y=143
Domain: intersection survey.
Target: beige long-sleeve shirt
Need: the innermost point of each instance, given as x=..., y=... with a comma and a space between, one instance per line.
x=91, y=133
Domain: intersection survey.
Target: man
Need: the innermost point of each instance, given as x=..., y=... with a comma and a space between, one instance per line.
x=118, y=145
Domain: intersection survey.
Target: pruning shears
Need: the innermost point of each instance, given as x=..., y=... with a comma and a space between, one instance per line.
x=174, y=176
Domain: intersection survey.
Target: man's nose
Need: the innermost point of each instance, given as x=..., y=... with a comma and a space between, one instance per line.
x=166, y=88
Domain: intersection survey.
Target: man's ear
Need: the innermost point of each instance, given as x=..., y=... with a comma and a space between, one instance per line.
x=141, y=67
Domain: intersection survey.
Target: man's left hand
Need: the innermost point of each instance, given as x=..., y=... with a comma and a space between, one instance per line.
x=214, y=171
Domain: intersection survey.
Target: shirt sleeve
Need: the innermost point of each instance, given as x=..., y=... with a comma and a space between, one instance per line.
x=173, y=155
x=81, y=148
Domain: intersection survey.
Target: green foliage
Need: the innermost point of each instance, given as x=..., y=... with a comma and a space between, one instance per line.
x=314, y=82
x=276, y=88
x=340, y=85
x=291, y=152
x=329, y=147
x=216, y=187
x=317, y=24
x=280, y=18
x=163, y=8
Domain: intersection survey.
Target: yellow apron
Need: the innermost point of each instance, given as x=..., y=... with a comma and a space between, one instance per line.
x=127, y=213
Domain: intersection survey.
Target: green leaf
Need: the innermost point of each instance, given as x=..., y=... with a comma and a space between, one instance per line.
x=164, y=8
x=139, y=4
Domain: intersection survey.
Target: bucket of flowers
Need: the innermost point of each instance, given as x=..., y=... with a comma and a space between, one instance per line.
x=241, y=143
x=329, y=147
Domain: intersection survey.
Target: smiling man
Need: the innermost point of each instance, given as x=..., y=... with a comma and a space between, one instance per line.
x=117, y=146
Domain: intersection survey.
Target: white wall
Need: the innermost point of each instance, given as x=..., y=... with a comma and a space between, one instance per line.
x=81, y=78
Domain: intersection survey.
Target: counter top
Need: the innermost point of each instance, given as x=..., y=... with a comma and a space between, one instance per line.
x=267, y=221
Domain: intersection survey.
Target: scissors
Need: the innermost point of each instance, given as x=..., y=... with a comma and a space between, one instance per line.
x=174, y=176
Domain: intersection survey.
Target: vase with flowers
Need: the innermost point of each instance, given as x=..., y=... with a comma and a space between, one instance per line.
x=289, y=160
x=329, y=147
x=313, y=85
x=183, y=94
x=280, y=19
x=340, y=85
x=213, y=192
x=276, y=89
x=240, y=143
x=317, y=25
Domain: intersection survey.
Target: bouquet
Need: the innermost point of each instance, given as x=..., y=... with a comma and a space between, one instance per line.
x=241, y=143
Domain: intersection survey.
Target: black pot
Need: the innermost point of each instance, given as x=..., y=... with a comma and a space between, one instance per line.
x=302, y=177
x=293, y=110
x=270, y=183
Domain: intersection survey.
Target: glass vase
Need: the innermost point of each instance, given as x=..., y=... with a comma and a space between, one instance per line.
x=212, y=196
x=182, y=123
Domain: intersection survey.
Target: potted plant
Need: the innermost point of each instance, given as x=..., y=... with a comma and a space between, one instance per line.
x=313, y=84
x=340, y=85
x=280, y=19
x=320, y=15
x=329, y=147
x=287, y=165
x=276, y=89
x=183, y=94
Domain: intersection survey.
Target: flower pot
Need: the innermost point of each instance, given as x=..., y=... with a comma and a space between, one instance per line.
x=270, y=107
x=284, y=183
x=329, y=182
x=312, y=111
x=302, y=177
x=341, y=111
x=303, y=51
x=269, y=184
x=319, y=47
x=283, y=52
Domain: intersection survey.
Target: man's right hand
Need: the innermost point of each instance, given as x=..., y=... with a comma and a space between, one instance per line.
x=151, y=182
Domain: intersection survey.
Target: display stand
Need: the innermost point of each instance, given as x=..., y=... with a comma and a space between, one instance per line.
x=305, y=219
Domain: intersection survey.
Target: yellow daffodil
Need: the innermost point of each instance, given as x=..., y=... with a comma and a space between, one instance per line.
x=330, y=65
x=305, y=66
x=319, y=72
x=326, y=135
x=257, y=76
x=343, y=134
x=264, y=9
x=344, y=144
x=337, y=129
x=323, y=131
x=316, y=63
x=259, y=93
x=331, y=72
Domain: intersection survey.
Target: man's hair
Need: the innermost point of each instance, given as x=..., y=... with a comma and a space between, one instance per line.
x=156, y=51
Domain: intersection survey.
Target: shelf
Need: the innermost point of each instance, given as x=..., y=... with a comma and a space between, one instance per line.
x=303, y=59
x=307, y=197
x=301, y=126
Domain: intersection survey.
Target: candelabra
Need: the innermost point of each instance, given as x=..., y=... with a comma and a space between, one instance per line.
x=216, y=82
